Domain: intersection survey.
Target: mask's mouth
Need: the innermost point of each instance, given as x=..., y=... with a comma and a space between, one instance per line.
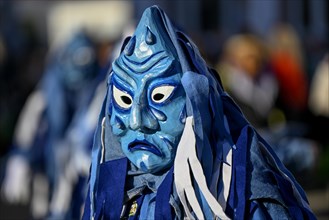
x=144, y=145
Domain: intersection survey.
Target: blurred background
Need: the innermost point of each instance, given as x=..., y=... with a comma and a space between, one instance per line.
x=272, y=56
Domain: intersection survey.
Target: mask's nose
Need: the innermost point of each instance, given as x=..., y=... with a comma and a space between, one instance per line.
x=142, y=119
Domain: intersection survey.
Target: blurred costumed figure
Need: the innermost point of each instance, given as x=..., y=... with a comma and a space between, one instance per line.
x=46, y=148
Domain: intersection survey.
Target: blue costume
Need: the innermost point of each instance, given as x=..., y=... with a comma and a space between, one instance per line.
x=170, y=143
x=61, y=101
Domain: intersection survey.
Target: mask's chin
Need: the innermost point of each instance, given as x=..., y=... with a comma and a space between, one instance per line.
x=154, y=169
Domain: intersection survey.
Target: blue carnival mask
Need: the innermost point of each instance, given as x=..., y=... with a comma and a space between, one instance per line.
x=147, y=104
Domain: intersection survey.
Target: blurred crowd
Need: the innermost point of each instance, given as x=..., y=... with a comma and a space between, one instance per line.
x=268, y=81
x=53, y=76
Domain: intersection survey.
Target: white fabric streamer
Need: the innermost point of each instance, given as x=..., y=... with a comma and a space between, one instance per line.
x=226, y=176
x=226, y=169
x=185, y=160
x=103, y=140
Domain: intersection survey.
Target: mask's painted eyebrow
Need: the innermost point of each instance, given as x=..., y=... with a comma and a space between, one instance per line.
x=122, y=75
x=162, y=68
x=121, y=84
x=166, y=69
x=142, y=66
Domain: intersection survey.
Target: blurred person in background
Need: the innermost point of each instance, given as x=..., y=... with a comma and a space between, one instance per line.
x=72, y=185
x=289, y=131
x=245, y=74
x=56, y=150
x=319, y=117
x=21, y=64
x=248, y=77
x=319, y=102
x=39, y=151
x=287, y=62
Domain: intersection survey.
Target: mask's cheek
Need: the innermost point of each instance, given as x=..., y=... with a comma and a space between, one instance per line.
x=173, y=126
x=119, y=123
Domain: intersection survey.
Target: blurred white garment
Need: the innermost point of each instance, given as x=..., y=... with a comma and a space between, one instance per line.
x=258, y=95
x=16, y=187
x=319, y=93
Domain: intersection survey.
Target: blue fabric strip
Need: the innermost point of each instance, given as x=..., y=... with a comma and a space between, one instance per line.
x=112, y=184
x=109, y=197
x=95, y=160
x=86, y=211
x=285, y=185
x=240, y=167
x=163, y=209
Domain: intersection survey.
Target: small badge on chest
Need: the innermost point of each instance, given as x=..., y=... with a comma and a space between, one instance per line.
x=133, y=209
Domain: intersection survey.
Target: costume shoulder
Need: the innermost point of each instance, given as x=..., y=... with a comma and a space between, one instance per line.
x=269, y=189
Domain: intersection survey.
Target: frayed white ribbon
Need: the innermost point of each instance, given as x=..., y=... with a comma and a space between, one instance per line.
x=186, y=160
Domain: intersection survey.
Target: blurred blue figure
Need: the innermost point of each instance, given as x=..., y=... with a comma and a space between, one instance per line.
x=45, y=146
x=71, y=187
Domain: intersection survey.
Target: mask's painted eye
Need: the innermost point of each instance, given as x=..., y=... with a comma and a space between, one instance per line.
x=162, y=93
x=122, y=98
